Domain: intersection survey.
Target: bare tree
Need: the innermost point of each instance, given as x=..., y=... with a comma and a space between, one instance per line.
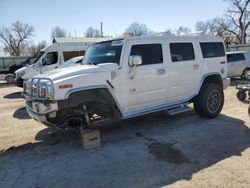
x=203, y=26
x=182, y=30
x=92, y=32
x=58, y=32
x=209, y=27
x=15, y=38
x=238, y=19
x=137, y=29
x=33, y=49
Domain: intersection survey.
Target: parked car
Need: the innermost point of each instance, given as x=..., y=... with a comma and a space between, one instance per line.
x=238, y=64
x=131, y=77
x=8, y=66
x=53, y=56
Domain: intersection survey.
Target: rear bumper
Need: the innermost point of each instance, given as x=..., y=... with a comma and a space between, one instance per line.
x=226, y=83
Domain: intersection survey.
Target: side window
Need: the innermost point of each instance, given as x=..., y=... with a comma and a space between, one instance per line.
x=150, y=53
x=71, y=54
x=235, y=57
x=51, y=58
x=182, y=52
x=212, y=49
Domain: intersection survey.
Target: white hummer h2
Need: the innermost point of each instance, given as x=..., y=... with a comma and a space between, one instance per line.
x=130, y=77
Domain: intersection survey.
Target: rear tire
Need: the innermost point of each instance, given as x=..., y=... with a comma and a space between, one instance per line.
x=241, y=95
x=210, y=100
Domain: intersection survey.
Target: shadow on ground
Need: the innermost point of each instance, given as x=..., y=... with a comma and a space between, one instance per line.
x=153, y=150
x=4, y=85
x=21, y=113
x=16, y=95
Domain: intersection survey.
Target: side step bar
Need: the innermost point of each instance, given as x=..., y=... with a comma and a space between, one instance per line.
x=178, y=110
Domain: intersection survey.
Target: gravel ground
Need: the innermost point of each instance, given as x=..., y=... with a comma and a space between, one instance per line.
x=150, y=151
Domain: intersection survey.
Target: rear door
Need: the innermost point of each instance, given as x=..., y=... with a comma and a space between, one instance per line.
x=183, y=68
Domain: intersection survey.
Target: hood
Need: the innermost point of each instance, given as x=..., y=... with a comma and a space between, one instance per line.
x=60, y=73
x=20, y=70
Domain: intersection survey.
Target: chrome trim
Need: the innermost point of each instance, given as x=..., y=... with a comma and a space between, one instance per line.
x=152, y=109
x=37, y=84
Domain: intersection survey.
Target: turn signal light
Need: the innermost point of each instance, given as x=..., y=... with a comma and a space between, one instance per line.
x=65, y=86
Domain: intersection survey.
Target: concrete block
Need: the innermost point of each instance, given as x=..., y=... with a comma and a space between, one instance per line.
x=90, y=139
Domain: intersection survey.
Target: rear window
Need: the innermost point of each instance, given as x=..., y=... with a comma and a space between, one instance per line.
x=235, y=57
x=182, y=52
x=212, y=49
x=150, y=53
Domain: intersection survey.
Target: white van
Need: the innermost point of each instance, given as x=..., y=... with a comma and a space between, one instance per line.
x=49, y=58
x=238, y=64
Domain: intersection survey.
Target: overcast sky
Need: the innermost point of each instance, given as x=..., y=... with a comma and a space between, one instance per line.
x=77, y=15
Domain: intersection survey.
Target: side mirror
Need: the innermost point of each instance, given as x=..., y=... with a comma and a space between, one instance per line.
x=135, y=60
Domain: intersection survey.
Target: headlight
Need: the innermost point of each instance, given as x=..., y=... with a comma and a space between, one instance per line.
x=41, y=88
x=45, y=89
x=20, y=74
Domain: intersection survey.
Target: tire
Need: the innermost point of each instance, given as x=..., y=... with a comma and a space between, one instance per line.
x=249, y=110
x=241, y=95
x=10, y=79
x=210, y=100
x=245, y=74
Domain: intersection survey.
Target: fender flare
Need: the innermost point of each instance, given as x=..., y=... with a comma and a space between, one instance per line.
x=85, y=94
x=213, y=77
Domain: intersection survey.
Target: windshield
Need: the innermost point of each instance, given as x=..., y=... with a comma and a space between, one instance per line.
x=104, y=52
x=38, y=55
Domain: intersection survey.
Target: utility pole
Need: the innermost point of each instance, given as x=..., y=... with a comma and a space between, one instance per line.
x=101, y=30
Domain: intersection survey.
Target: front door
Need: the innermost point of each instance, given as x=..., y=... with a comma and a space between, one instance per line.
x=146, y=84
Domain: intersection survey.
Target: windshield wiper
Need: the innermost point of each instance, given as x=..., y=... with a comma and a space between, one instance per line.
x=93, y=63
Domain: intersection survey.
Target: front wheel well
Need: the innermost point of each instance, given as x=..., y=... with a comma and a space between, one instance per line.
x=92, y=102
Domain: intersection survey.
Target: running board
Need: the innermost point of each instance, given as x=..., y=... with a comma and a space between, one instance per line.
x=179, y=110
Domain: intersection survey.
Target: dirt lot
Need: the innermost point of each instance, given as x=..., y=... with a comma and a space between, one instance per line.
x=150, y=151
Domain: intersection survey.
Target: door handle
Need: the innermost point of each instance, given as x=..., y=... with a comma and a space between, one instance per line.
x=161, y=71
x=195, y=67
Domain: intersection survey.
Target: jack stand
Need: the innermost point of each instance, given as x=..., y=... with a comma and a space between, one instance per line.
x=90, y=139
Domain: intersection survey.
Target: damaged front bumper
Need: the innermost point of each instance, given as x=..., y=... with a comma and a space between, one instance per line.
x=41, y=112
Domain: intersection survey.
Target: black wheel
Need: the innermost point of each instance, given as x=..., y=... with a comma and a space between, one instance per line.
x=241, y=95
x=10, y=79
x=249, y=110
x=245, y=74
x=210, y=100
